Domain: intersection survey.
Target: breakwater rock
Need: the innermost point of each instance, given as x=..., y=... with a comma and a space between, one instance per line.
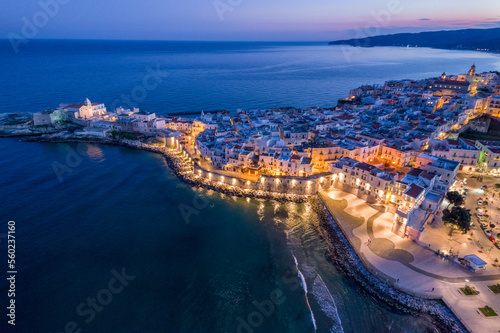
x=181, y=168
x=346, y=259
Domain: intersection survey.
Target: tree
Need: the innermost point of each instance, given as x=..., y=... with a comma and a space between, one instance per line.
x=454, y=198
x=458, y=218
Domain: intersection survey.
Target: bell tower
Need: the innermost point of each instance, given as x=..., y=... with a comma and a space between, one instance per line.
x=471, y=74
x=472, y=70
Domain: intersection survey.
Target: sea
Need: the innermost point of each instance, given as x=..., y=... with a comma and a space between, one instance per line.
x=116, y=243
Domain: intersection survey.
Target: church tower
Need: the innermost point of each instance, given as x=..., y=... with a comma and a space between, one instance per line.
x=472, y=70
x=471, y=74
x=443, y=76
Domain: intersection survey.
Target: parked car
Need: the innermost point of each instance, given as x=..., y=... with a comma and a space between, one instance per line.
x=497, y=245
x=487, y=232
x=491, y=238
x=479, y=202
x=484, y=226
x=484, y=187
x=472, y=226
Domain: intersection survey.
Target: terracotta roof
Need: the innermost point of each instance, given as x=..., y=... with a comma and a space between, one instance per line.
x=414, y=191
x=365, y=166
x=346, y=117
x=74, y=106
x=452, y=82
x=426, y=175
x=415, y=172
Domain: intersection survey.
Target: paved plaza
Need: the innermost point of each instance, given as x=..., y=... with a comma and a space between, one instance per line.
x=416, y=268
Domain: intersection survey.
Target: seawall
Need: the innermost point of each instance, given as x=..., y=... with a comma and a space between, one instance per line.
x=344, y=256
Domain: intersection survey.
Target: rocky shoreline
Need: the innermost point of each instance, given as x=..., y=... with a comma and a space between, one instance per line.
x=342, y=254
x=346, y=259
x=178, y=166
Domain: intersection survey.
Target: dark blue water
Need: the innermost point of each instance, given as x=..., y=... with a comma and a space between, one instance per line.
x=227, y=264
x=209, y=76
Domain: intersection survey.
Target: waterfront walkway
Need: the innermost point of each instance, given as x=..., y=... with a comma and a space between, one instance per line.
x=206, y=166
x=411, y=267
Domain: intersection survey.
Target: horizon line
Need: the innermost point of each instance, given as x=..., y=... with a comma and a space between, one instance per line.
x=242, y=41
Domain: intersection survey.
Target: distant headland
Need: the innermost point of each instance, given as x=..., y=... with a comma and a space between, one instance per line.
x=468, y=39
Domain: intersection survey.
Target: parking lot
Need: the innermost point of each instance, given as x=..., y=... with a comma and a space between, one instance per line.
x=437, y=235
x=483, y=204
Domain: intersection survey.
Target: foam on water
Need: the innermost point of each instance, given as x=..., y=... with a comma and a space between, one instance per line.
x=304, y=286
x=327, y=303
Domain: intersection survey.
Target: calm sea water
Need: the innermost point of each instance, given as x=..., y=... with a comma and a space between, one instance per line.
x=209, y=76
x=119, y=210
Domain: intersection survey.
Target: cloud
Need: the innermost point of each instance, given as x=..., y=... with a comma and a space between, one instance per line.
x=424, y=19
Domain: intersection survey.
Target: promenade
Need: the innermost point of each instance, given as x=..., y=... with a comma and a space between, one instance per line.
x=189, y=149
x=411, y=267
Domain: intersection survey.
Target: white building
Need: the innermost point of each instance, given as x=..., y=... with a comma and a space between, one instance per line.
x=85, y=110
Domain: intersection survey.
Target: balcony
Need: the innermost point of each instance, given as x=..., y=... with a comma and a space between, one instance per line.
x=403, y=211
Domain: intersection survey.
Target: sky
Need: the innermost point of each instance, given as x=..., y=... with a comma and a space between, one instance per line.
x=239, y=20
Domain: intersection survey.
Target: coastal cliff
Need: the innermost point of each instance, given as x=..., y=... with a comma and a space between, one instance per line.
x=467, y=39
